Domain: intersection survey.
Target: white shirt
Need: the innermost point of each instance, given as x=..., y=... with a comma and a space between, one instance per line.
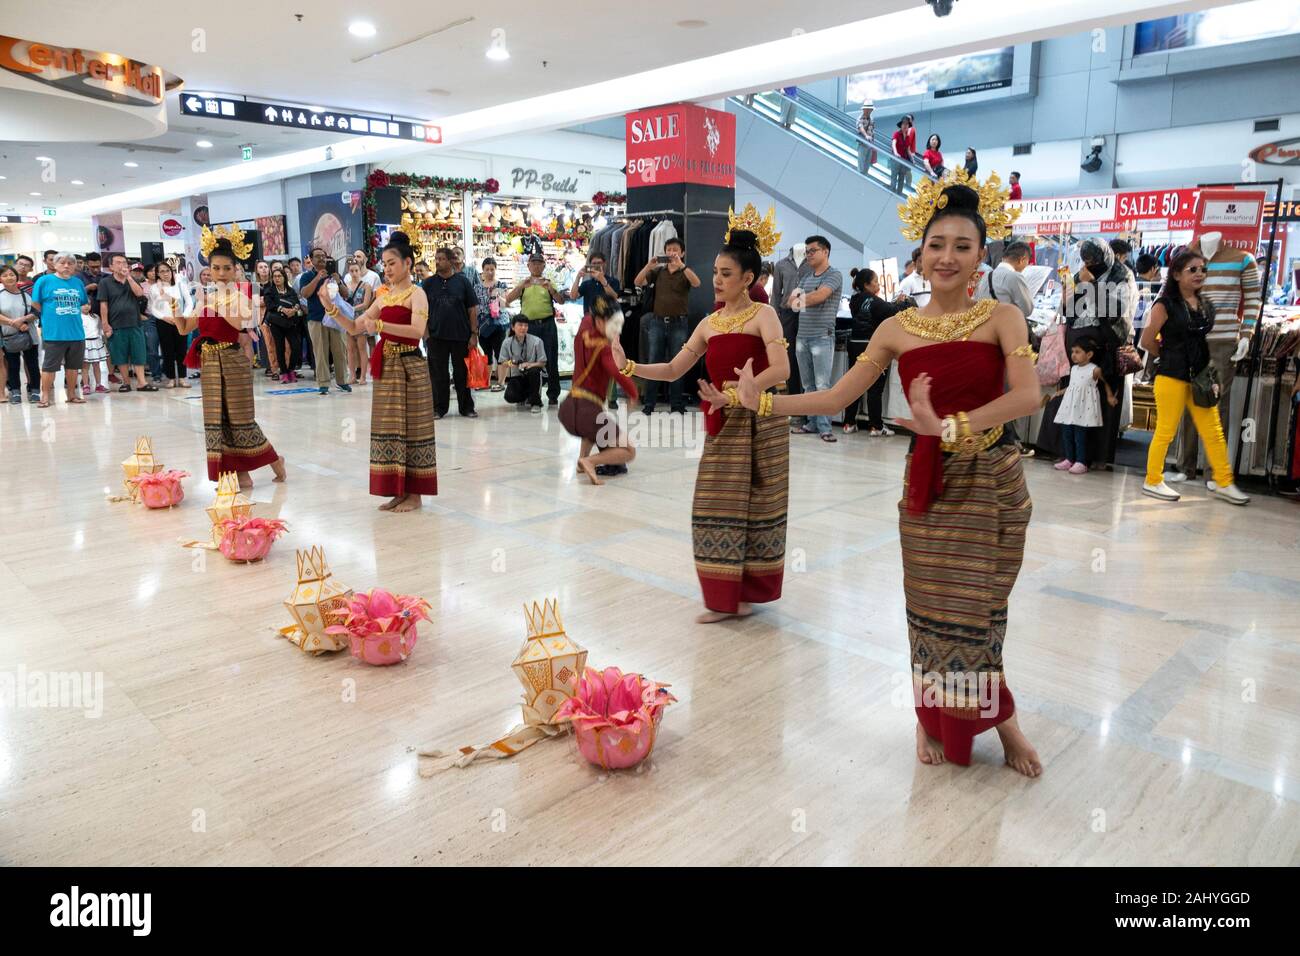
x=371, y=278
x=1009, y=286
x=917, y=288
x=163, y=300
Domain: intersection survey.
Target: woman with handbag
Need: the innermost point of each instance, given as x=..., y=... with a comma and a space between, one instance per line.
x=18, y=328
x=1185, y=378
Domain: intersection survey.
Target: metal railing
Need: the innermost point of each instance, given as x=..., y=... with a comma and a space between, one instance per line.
x=835, y=134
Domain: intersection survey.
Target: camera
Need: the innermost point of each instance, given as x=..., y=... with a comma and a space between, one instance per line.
x=331, y=267
x=941, y=7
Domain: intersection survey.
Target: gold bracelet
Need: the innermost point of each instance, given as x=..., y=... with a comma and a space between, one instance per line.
x=331, y=312
x=864, y=357
x=733, y=397
x=628, y=369
x=963, y=425
x=379, y=326
x=764, y=405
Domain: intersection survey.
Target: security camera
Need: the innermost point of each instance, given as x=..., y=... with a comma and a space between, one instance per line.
x=941, y=7
x=1093, y=162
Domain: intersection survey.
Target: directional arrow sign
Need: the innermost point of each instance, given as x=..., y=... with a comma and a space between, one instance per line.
x=287, y=116
x=195, y=104
x=271, y=114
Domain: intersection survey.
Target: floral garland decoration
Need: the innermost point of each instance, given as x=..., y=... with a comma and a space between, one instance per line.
x=609, y=199
x=379, y=179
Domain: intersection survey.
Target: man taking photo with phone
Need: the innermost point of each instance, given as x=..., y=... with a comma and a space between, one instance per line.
x=666, y=327
x=592, y=282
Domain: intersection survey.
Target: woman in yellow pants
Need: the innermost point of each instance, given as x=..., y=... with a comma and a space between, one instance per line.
x=1175, y=334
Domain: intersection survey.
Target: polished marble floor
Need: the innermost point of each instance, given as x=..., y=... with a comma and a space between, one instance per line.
x=1154, y=651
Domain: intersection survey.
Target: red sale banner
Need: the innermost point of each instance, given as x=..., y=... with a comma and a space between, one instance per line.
x=1236, y=213
x=680, y=143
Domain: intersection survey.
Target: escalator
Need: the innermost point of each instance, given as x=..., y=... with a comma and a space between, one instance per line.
x=807, y=156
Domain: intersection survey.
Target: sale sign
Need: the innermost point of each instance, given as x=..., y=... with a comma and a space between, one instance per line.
x=1141, y=210
x=681, y=143
x=1236, y=213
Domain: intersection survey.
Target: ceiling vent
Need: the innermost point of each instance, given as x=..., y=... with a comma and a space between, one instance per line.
x=137, y=148
x=1267, y=126
x=1022, y=149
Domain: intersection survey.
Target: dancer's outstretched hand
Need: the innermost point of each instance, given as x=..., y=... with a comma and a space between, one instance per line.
x=715, y=398
x=924, y=420
x=746, y=386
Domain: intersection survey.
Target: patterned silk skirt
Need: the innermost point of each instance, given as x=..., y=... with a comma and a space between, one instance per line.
x=738, y=515
x=233, y=439
x=402, y=458
x=960, y=561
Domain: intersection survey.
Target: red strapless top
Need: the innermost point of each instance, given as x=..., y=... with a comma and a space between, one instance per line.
x=964, y=375
x=727, y=352
x=211, y=328
x=398, y=315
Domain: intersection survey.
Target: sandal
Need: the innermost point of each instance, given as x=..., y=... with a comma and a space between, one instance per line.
x=124, y=387
x=827, y=436
x=77, y=401
x=147, y=388
x=42, y=404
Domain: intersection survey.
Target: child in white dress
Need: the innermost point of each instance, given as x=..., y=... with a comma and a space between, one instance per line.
x=1080, y=410
x=96, y=352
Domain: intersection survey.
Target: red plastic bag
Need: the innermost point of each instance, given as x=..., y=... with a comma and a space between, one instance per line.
x=477, y=364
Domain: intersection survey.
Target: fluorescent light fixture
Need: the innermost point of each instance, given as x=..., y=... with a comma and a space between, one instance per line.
x=204, y=144
x=33, y=194
x=497, y=48
x=78, y=182
x=361, y=28
x=44, y=159
x=130, y=165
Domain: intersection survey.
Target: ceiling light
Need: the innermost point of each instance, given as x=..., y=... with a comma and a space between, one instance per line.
x=4, y=177
x=33, y=194
x=204, y=144
x=361, y=28
x=78, y=182
x=44, y=159
x=497, y=48
x=130, y=165
x=692, y=24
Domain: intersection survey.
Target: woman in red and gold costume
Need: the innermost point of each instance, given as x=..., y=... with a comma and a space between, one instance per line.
x=738, y=515
x=233, y=438
x=403, y=463
x=967, y=369
x=598, y=359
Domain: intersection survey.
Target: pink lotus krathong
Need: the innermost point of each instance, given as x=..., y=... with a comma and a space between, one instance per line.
x=615, y=716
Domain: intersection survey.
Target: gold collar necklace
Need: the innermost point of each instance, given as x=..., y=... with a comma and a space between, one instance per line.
x=736, y=321
x=949, y=327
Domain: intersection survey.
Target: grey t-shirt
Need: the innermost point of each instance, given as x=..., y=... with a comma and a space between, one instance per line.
x=820, y=319
x=530, y=350
x=123, y=306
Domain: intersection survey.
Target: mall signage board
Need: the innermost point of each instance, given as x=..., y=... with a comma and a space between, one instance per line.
x=1287, y=211
x=295, y=116
x=680, y=143
x=88, y=73
x=1147, y=209
x=1236, y=213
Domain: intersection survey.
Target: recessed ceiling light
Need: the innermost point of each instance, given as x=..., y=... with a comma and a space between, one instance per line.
x=204, y=144
x=44, y=159
x=692, y=24
x=497, y=48
x=4, y=177
x=361, y=28
x=33, y=194
x=130, y=165
x=78, y=182
x=439, y=91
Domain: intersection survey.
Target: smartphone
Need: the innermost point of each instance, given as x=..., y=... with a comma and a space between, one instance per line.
x=662, y=259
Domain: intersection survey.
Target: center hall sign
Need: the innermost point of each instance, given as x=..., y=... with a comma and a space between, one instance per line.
x=681, y=143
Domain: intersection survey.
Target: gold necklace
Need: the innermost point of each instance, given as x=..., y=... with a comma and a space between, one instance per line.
x=398, y=297
x=734, y=322
x=949, y=327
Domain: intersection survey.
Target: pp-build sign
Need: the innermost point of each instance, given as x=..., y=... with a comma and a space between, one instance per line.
x=681, y=143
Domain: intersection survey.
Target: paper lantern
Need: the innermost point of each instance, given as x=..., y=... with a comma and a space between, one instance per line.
x=142, y=462
x=315, y=596
x=230, y=503
x=548, y=665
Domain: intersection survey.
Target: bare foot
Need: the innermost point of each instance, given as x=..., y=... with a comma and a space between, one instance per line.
x=713, y=617
x=589, y=470
x=928, y=750
x=277, y=466
x=389, y=505
x=409, y=503
x=1020, y=753
x=245, y=480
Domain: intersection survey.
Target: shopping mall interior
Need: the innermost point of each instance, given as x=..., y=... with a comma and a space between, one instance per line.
x=543, y=573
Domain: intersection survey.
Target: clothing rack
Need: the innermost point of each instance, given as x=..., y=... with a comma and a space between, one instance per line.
x=651, y=213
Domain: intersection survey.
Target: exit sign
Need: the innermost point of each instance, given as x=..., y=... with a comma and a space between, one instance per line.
x=246, y=152
x=49, y=212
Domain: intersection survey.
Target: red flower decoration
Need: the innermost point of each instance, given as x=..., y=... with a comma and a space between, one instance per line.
x=598, y=199
x=491, y=186
x=377, y=179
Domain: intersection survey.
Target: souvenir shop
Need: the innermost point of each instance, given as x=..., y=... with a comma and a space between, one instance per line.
x=481, y=218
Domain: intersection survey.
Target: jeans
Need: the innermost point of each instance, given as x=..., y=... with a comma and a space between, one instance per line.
x=900, y=175
x=816, y=354
x=151, y=351
x=442, y=352
x=326, y=342
x=662, y=337
x=544, y=329
x=1074, y=443
x=875, y=394
x=28, y=359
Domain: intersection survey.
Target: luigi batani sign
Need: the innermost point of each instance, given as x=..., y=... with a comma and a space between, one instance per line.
x=303, y=117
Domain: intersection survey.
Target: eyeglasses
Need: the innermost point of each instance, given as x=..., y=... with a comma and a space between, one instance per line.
x=1196, y=269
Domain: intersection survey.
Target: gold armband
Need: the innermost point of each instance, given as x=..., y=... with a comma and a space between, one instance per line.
x=864, y=357
x=628, y=369
x=764, y=405
x=783, y=342
x=1024, y=351
x=686, y=348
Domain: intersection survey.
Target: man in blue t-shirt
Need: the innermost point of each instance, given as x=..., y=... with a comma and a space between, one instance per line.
x=59, y=298
x=592, y=282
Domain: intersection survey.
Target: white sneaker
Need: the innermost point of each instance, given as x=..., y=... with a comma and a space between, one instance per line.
x=1161, y=491
x=1211, y=485
x=1232, y=494
x=1175, y=477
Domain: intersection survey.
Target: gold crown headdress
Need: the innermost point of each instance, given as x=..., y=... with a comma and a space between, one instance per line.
x=241, y=246
x=763, y=227
x=917, y=212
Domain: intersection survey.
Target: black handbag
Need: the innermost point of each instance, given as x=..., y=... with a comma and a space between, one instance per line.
x=1205, y=386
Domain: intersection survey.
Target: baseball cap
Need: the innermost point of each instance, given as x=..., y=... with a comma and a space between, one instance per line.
x=537, y=257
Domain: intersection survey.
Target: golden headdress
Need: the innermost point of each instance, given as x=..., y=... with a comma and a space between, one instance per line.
x=917, y=212
x=764, y=228
x=241, y=246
